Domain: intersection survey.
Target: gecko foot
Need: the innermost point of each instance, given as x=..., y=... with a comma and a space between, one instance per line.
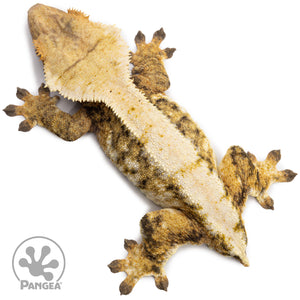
x=137, y=265
x=268, y=174
x=148, y=71
x=32, y=107
x=153, y=46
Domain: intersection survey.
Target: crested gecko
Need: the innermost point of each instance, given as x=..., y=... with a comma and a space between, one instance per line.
x=149, y=138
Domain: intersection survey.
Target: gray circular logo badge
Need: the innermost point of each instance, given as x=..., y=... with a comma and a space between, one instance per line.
x=39, y=263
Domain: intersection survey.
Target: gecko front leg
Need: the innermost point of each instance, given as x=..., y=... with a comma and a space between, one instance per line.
x=42, y=110
x=148, y=73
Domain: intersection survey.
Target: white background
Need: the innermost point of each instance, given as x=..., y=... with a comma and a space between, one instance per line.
x=237, y=71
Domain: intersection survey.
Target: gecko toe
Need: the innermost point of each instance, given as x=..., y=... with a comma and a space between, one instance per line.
x=287, y=175
x=116, y=266
x=22, y=93
x=169, y=52
x=159, y=36
x=139, y=38
x=26, y=125
x=11, y=110
x=129, y=244
x=266, y=202
x=43, y=90
x=162, y=282
x=274, y=157
x=126, y=286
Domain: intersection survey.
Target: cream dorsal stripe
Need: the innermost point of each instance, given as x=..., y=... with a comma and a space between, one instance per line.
x=91, y=63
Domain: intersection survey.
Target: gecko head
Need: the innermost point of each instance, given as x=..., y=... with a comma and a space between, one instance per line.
x=81, y=58
x=46, y=26
x=44, y=20
x=51, y=27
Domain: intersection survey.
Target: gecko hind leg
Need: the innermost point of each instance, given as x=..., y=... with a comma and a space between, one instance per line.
x=42, y=110
x=148, y=71
x=163, y=231
x=243, y=175
x=268, y=174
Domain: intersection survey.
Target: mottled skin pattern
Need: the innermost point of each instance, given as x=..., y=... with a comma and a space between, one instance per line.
x=243, y=175
x=165, y=230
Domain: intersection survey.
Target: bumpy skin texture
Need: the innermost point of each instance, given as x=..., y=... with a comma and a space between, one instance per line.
x=178, y=222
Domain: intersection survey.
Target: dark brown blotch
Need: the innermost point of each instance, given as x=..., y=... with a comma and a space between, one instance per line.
x=155, y=269
x=195, y=236
x=239, y=226
x=175, y=107
x=160, y=101
x=142, y=183
x=133, y=171
x=158, y=220
x=147, y=225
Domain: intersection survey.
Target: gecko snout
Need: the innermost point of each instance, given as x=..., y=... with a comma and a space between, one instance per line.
x=45, y=20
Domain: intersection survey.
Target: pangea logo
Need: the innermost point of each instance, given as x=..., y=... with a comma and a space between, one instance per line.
x=39, y=263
